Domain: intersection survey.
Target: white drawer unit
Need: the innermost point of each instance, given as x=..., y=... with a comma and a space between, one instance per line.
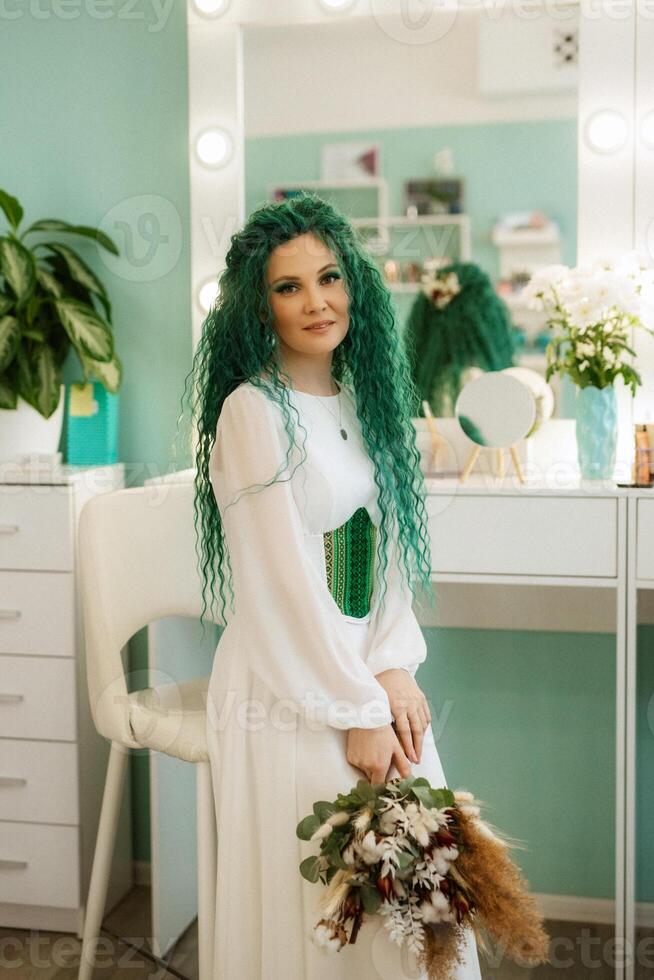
x=52, y=761
x=523, y=535
x=39, y=865
x=645, y=540
x=38, y=781
x=27, y=601
x=36, y=527
x=37, y=697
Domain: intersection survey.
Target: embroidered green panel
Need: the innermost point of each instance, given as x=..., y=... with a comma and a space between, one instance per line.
x=350, y=561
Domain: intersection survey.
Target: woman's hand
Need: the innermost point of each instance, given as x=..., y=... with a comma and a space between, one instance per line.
x=409, y=709
x=374, y=750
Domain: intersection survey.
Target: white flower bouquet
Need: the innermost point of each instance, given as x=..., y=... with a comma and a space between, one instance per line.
x=425, y=860
x=441, y=287
x=591, y=310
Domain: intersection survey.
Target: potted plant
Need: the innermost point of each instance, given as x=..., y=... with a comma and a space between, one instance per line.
x=590, y=311
x=50, y=300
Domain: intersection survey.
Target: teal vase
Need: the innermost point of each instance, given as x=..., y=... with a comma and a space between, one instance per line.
x=597, y=431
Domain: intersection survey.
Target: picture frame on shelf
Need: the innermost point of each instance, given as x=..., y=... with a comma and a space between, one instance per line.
x=438, y=195
x=351, y=160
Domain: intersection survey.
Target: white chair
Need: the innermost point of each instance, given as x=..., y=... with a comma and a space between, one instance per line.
x=138, y=564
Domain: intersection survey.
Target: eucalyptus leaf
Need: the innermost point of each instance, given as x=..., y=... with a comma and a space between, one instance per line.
x=307, y=827
x=323, y=809
x=310, y=869
x=370, y=899
x=55, y=224
x=18, y=267
x=366, y=790
x=423, y=793
x=88, y=332
x=12, y=209
x=442, y=797
x=404, y=860
x=9, y=340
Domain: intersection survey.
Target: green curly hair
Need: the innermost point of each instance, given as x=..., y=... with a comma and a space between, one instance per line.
x=238, y=344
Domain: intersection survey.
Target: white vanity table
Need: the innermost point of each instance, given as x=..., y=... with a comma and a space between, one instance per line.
x=487, y=532
x=578, y=535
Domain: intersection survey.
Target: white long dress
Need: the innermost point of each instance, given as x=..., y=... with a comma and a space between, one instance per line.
x=293, y=670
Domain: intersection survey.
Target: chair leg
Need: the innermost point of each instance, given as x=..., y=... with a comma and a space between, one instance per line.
x=104, y=848
x=207, y=847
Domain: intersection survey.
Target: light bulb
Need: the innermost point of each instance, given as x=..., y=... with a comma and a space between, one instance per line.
x=606, y=131
x=336, y=4
x=207, y=294
x=214, y=147
x=211, y=8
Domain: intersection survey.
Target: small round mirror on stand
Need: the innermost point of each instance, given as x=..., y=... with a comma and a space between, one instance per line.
x=495, y=410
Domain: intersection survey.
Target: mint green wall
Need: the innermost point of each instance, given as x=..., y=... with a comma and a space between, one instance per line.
x=510, y=166
x=93, y=115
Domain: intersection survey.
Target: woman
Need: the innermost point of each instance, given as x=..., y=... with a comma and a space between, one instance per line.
x=310, y=505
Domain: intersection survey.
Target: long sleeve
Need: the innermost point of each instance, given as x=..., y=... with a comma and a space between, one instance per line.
x=397, y=639
x=288, y=627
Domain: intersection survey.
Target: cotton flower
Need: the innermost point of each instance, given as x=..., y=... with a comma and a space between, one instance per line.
x=390, y=819
x=421, y=822
x=441, y=864
x=369, y=849
x=362, y=820
x=428, y=912
x=329, y=935
x=439, y=901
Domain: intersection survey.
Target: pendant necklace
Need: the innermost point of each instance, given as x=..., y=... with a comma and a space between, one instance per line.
x=338, y=398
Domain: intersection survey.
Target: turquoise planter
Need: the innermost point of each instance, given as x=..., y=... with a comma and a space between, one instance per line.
x=597, y=431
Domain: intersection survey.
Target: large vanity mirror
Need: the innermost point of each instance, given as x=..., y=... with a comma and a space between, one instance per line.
x=447, y=141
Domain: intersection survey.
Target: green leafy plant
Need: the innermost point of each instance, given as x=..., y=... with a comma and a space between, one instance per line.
x=49, y=300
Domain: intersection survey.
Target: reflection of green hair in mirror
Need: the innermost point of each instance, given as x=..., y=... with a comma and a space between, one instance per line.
x=471, y=430
x=473, y=329
x=238, y=344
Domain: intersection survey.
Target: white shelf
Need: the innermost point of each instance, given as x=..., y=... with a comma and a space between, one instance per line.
x=384, y=222
x=518, y=238
x=353, y=183
x=536, y=360
x=421, y=219
x=404, y=287
x=518, y=304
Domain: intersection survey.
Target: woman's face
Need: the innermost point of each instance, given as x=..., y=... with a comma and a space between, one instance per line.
x=306, y=287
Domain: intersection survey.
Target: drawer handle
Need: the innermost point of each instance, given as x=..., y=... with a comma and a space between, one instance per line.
x=10, y=613
x=8, y=528
x=11, y=698
x=6, y=863
x=12, y=781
